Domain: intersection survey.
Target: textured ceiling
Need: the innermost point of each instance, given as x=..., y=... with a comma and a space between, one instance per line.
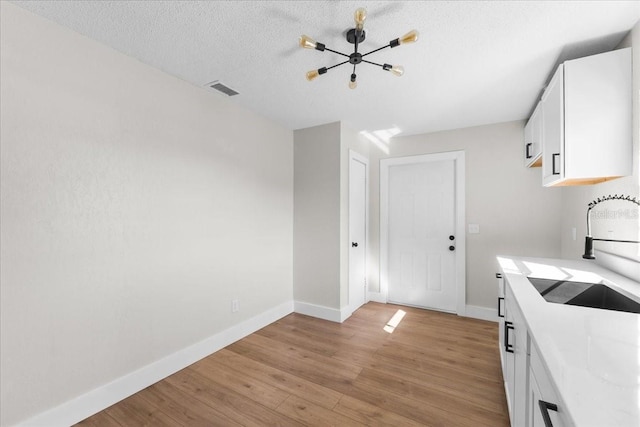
x=475, y=63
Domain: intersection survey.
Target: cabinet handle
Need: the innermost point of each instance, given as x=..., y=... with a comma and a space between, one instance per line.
x=553, y=163
x=528, y=154
x=498, y=276
x=508, y=347
x=500, y=301
x=544, y=408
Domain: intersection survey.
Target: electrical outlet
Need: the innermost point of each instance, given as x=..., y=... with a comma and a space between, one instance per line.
x=235, y=306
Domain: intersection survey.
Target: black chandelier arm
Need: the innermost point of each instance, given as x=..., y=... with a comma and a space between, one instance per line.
x=376, y=50
x=335, y=51
x=356, y=41
x=373, y=63
x=337, y=65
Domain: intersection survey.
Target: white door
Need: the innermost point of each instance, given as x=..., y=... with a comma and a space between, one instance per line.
x=357, y=231
x=422, y=240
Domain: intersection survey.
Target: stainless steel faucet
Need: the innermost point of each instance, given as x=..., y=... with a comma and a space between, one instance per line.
x=588, y=242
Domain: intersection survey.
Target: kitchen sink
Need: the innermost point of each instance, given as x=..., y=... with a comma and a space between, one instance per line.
x=595, y=295
x=601, y=296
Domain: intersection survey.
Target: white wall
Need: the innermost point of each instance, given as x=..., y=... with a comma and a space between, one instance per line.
x=321, y=218
x=517, y=216
x=612, y=219
x=316, y=268
x=134, y=207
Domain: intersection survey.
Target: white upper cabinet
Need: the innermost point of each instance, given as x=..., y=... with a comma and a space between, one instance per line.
x=587, y=121
x=553, y=129
x=533, y=139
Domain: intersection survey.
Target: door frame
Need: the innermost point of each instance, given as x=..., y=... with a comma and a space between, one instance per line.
x=459, y=177
x=355, y=156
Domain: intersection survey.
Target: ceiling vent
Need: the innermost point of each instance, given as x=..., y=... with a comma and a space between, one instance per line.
x=221, y=88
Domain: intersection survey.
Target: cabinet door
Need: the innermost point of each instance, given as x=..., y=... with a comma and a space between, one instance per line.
x=553, y=129
x=516, y=361
x=533, y=139
x=541, y=390
x=521, y=368
x=598, y=115
x=536, y=148
x=528, y=141
x=509, y=356
x=536, y=417
x=501, y=314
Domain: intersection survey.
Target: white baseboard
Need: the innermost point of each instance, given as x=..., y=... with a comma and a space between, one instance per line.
x=376, y=297
x=481, y=313
x=345, y=313
x=473, y=311
x=321, y=311
x=83, y=406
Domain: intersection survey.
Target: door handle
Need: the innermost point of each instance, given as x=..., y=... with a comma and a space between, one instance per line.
x=553, y=163
x=544, y=408
x=354, y=244
x=452, y=248
x=508, y=347
x=500, y=301
x=528, y=154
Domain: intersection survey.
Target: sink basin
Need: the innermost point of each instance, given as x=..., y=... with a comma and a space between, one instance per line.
x=595, y=295
x=601, y=296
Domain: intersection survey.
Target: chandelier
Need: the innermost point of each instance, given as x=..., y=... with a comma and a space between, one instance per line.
x=356, y=36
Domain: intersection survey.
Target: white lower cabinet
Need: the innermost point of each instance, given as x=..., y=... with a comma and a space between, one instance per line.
x=544, y=407
x=531, y=397
x=515, y=355
x=542, y=413
x=501, y=319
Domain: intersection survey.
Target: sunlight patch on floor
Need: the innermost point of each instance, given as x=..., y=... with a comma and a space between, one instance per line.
x=393, y=323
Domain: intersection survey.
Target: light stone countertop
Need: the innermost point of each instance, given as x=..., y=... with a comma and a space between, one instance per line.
x=592, y=355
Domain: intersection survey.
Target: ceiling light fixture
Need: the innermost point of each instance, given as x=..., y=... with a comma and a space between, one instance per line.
x=356, y=36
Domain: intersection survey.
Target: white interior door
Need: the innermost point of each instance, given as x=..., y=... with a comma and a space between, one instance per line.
x=422, y=234
x=357, y=231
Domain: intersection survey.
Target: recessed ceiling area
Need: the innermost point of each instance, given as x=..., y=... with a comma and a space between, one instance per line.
x=475, y=62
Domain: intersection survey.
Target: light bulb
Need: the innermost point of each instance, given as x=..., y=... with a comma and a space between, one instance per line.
x=359, y=17
x=312, y=74
x=352, y=81
x=397, y=70
x=410, y=37
x=307, y=42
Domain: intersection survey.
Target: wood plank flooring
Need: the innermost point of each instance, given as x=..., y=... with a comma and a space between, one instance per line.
x=435, y=369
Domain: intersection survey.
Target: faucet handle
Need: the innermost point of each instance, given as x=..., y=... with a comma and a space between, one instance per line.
x=588, y=248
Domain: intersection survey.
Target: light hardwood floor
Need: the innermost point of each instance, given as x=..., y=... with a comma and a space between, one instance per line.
x=435, y=369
